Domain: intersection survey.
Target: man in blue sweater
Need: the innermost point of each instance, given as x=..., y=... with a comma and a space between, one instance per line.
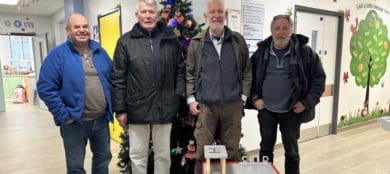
x=74, y=83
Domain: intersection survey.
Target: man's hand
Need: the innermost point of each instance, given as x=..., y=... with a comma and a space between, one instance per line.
x=122, y=119
x=70, y=121
x=194, y=108
x=299, y=107
x=259, y=104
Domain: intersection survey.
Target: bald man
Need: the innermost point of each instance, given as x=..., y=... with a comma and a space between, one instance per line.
x=74, y=83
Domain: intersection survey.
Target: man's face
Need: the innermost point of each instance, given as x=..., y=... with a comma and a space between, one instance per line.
x=147, y=16
x=215, y=16
x=281, y=32
x=78, y=29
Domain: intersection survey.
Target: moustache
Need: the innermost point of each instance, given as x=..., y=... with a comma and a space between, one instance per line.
x=281, y=38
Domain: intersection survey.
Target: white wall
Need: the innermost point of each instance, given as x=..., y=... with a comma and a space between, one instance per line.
x=94, y=8
x=5, y=53
x=24, y=24
x=351, y=96
x=58, y=30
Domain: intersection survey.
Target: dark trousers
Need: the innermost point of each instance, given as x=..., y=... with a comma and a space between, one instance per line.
x=289, y=126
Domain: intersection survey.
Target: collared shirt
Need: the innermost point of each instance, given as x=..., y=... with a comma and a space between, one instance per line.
x=217, y=43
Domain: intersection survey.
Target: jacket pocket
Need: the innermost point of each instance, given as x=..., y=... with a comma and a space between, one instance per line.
x=170, y=103
x=135, y=93
x=307, y=115
x=138, y=111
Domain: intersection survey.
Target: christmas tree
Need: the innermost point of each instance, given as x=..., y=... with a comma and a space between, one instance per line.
x=177, y=14
x=124, y=159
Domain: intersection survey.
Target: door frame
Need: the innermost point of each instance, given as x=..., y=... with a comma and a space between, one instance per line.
x=340, y=18
x=2, y=97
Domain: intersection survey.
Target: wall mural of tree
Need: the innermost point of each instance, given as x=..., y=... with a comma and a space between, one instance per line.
x=369, y=48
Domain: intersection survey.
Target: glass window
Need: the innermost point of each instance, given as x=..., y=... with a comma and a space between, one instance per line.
x=16, y=47
x=27, y=48
x=21, y=53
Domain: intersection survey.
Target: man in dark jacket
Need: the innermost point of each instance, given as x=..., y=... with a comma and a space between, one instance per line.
x=288, y=81
x=218, y=82
x=148, y=77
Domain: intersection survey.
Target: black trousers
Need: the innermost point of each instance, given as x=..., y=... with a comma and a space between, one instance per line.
x=289, y=126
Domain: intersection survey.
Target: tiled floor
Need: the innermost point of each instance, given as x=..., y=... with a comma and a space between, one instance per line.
x=360, y=150
x=30, y=144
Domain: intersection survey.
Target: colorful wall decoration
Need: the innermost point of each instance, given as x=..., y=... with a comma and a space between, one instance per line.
x=369, y=51
x=19, y=24
x=24, y=24
x=369, y=48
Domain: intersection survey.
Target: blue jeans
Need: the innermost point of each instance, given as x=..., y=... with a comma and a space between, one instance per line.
x=75, y=137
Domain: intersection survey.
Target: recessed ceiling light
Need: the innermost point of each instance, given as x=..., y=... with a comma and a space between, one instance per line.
x=9, y=2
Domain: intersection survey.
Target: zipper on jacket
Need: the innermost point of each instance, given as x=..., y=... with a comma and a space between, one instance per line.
x=152, y=58
x=220, y=69
x=222, y=89
x=150, y=40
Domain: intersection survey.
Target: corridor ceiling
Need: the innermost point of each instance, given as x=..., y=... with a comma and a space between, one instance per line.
x=33, y=7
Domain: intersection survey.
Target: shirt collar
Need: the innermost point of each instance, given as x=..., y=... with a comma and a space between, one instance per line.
x=214, y=38
x=272, y=48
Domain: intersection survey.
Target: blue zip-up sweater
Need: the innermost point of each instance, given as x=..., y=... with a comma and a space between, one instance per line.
x=61, y=82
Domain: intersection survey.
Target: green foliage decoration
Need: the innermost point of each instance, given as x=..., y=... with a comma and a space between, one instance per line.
x=370, y=40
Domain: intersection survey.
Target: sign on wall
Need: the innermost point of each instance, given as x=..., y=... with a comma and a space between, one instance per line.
x=252, y=23
x=234, y=20
x=16, y=25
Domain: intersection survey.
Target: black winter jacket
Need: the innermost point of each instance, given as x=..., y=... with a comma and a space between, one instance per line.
x=307, y=73
x=134, y=88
